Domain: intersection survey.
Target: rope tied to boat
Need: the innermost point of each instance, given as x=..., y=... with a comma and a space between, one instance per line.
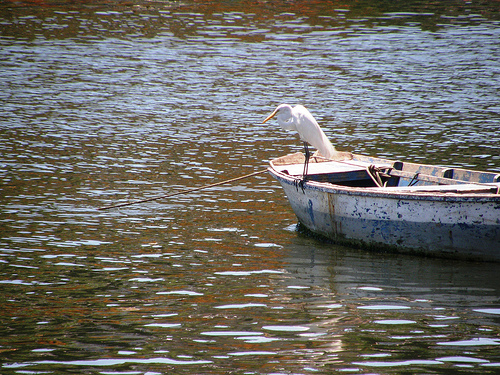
x=377, y=174
x=185, y=191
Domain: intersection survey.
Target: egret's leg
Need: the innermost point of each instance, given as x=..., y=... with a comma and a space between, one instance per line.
x=306, y=162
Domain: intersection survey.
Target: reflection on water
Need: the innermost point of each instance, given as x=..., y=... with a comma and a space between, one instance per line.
x=106, y=103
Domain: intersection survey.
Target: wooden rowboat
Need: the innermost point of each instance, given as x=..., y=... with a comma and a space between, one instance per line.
x=392, y=205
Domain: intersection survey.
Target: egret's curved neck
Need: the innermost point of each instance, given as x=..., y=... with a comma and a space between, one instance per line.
x=285, y=118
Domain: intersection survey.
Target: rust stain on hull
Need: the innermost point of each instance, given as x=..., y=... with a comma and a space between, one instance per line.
x=336, y=224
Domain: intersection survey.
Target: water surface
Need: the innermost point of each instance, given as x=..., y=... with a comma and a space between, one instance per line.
x=104, y=103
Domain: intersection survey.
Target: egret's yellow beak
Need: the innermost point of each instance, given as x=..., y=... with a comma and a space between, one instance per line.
x=270, y=116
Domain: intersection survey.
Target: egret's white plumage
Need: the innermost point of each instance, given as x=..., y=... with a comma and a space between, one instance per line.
x=302, y=121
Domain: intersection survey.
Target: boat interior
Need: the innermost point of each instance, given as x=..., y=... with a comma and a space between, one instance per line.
x=347, y=169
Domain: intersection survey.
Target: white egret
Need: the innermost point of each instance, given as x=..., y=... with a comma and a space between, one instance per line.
x=302, y=121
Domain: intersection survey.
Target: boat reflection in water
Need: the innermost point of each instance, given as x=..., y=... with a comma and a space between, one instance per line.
x=373, y=310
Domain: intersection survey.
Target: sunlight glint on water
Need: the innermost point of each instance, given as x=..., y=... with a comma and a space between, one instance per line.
x=103, y=104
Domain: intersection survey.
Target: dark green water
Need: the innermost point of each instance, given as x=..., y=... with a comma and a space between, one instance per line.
x=108, y=102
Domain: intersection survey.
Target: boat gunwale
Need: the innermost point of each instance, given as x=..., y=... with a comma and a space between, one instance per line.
x=379, y=192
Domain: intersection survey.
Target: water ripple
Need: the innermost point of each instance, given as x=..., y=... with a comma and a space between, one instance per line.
x=104, y=104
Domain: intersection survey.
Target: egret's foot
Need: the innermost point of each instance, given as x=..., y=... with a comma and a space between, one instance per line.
x=296, y=183
x=299, y=184
x=302, y=182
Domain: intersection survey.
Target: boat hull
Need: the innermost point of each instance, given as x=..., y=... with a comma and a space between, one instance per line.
x=444, y=226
